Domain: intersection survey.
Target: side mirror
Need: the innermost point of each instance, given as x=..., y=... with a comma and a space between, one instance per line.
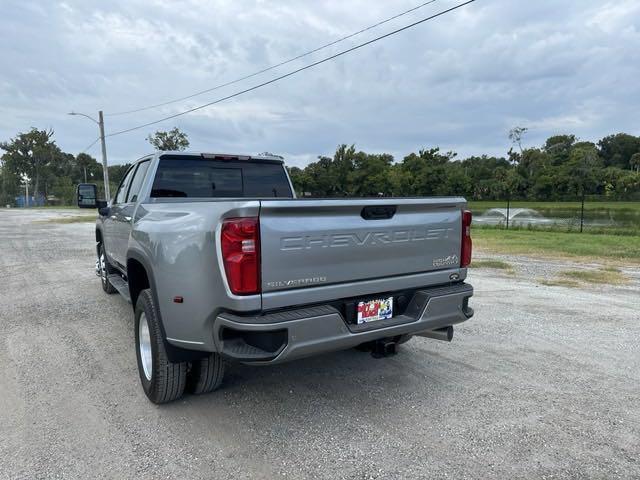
x=103, y=208
x=87, y=195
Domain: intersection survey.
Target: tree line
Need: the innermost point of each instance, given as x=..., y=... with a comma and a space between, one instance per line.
x=33, y=158
x=564, y=167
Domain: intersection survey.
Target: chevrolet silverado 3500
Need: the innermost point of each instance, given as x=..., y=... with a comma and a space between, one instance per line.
x=221, y=261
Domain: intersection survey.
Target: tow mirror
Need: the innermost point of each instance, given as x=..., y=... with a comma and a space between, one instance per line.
x=87, y=195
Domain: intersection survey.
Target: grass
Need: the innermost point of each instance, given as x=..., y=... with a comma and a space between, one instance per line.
x=560, y=282
x=496, y=264
x=603, y=247
x=577, y=278
x=608, y=276
x=74, y=219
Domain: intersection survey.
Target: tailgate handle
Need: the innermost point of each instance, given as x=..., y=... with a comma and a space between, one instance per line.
x=378, y=212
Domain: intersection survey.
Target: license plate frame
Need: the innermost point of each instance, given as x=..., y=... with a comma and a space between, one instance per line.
x=374, y=310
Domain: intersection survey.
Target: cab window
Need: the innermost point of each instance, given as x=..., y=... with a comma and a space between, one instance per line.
x=121, y=195
x=136, y=183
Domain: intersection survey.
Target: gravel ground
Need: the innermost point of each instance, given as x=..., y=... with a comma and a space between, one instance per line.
x=544, y=382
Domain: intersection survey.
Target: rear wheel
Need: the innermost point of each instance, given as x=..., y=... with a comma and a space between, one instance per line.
x=206, y=374
x=162, y=380
x=104, y=270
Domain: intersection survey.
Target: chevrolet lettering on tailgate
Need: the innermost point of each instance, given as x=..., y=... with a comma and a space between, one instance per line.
x=363, y=239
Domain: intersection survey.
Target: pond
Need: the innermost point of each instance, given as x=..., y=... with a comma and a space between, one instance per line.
x=597, y=215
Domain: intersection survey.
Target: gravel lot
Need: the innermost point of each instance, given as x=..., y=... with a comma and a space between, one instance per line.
x=544, y=382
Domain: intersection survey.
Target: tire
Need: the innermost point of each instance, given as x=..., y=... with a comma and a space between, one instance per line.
x=162, y=381
x=206, y=374
x=105, y=270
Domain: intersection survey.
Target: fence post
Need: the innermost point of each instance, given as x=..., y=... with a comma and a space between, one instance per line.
x=582, y=214
x=508, y=208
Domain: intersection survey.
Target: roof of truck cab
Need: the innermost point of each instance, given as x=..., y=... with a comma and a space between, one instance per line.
x=266, y=158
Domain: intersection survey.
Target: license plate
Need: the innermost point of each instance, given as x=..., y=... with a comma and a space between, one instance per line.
x=374, y=310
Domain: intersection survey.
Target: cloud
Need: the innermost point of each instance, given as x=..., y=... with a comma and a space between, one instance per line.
x=459, y=82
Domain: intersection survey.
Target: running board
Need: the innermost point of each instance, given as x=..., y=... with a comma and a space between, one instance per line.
x=120, y=285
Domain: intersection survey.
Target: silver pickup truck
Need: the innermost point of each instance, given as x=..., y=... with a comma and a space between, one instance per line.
x=221, y=262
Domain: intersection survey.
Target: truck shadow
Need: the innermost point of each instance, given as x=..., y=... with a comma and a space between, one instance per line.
x=343, y=381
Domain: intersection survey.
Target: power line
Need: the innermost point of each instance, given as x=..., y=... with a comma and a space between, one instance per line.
x=90, y=145
x=293, y=72
x=267, y=69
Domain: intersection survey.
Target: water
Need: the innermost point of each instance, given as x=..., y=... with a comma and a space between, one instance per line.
x=567, y=217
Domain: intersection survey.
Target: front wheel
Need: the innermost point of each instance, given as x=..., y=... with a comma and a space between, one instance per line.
x=162, y=380
x=104, y=269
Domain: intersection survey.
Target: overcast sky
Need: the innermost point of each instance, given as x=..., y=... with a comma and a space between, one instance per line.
x=459, y=82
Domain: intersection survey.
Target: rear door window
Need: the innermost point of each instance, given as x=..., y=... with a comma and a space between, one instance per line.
x=136, y=183
x=121, y=195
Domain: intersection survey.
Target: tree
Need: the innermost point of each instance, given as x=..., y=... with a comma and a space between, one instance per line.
x=617, y=150
x=635, y=162
x=558, y=148
x=581, y=171
x=29, y=154
x=370, y=175
x=331, y=177
x=116, y=173
x=516, y=134
x=9, y=186
x=425, y=173
x=174, y=139
x=88, y=167
x=300, y=180
x=480, y=171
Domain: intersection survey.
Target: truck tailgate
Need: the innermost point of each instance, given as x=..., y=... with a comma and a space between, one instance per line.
x=310, y=243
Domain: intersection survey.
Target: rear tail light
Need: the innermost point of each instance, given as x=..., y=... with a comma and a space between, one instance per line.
x=240, y=244
x=467, y=245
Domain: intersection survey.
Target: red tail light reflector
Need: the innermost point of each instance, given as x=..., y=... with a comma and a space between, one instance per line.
x=467, y=244
x=240, y=244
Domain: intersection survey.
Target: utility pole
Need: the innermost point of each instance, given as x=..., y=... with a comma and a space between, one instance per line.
x=107, y=193
x=105, y=168
x=26, y=194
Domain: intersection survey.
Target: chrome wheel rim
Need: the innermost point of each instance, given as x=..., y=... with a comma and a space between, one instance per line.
x=144, y=345
x=103, y=268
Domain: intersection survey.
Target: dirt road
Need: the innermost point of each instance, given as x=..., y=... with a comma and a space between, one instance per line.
x=543, y=382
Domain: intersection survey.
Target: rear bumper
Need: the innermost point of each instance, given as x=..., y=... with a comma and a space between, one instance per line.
x=284, y=336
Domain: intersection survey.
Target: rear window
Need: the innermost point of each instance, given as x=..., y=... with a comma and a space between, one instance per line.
x=195, y=177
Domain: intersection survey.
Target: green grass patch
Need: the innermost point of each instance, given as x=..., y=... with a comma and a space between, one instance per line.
x=560, y=282
x=497, y=264
x=578, y=278
x=607, y=276
x=603, y=247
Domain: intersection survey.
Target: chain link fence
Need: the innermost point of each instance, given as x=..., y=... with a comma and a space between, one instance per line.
x=591, y=214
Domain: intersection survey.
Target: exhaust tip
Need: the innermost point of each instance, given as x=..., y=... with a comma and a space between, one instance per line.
x=444, y=334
